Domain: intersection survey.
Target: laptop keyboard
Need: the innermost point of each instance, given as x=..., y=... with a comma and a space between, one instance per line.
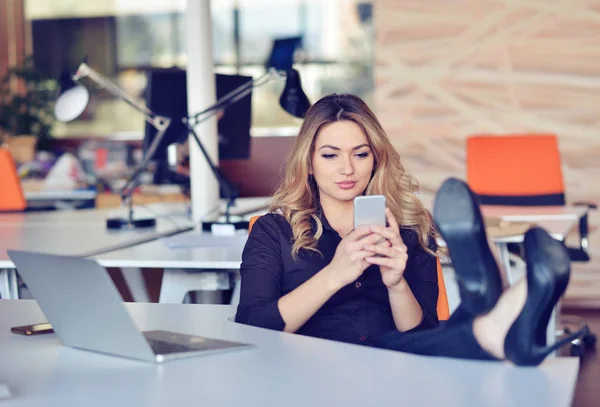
x=163, y=347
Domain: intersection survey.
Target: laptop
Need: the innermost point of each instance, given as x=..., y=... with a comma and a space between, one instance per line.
x=86, y=312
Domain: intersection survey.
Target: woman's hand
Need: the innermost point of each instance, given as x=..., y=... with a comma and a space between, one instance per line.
x=393, y=250
x=349, y=262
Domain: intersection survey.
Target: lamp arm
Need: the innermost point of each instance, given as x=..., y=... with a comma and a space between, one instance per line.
x=229, y=190
x=234, y=96
x=85, y=71
x=132, y=182
x=161, y=123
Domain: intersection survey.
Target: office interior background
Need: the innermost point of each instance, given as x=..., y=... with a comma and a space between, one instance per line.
x=435, y=72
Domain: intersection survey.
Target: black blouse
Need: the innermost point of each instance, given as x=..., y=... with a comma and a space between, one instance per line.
x=358, y=313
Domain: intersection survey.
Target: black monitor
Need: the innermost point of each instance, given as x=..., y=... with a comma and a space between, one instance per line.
x=166, y=95
x=234, y=125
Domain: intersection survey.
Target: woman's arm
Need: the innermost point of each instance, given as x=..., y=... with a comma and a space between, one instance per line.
x=261, y=275
x=347, y=265
x=261, y=303
x=406, y=310
x=420, y=277
x=299, y=305
x=407, y=286
x=409, y=273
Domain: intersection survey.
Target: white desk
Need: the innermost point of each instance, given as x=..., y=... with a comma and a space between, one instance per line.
x=156, y=254
x=534, y=213
x=79, y=233
x=60, y=199
x=559, y=221
x=283, y=369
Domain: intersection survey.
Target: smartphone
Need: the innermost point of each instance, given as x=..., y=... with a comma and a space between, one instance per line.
x=369, y=210
x=35, y=329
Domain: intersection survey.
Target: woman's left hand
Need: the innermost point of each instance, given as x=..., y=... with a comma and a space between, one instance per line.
x=393, y=250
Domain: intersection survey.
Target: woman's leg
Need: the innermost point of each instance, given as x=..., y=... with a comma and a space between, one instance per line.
x=479, y=338
x=490, y=329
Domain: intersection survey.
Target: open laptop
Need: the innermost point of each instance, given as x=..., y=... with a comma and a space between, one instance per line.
x=86, y=311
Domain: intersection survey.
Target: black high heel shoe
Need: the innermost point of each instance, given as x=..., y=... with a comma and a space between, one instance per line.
x=458, y=219
x=548, y=272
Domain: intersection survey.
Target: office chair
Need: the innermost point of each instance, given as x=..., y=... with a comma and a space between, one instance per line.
x=12, y=197
x=523, y=170
x=443, y=308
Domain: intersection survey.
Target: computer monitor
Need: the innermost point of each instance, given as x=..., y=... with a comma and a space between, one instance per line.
x=234, y=125
x=166, y=95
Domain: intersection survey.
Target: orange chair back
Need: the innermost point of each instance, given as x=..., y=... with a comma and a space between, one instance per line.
x=515, y=169
x=251, y=222
x=11, y=197
x=443, y=309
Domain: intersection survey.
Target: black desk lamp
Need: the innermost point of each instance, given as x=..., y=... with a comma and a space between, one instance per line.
x=72, y=102
x=293, y=100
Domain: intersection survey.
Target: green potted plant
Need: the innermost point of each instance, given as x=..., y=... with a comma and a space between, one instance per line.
x=26, y=116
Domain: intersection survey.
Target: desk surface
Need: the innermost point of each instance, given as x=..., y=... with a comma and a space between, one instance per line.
x=156, y=254
x=534, y=213
x=558, y=229
x=58, y=195
x=283, y=369
x=83, y=232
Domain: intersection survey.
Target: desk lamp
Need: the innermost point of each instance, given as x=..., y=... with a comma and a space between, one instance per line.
x=293, y=100
x=72, y=102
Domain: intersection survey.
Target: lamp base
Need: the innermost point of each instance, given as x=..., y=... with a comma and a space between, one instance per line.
x=238, y=224
x=125, y=223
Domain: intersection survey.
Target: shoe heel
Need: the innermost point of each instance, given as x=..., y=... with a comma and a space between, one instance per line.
x=458, y=219
x=548, y=270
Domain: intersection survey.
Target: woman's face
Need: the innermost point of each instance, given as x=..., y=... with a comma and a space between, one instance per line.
x=342, y=162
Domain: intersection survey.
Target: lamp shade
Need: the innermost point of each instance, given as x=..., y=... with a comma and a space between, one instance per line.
x=293, y=99
x=71, y=103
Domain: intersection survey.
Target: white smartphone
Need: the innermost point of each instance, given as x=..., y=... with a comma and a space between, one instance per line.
x=369, y=210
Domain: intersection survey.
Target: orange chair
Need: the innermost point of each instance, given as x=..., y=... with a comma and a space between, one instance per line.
x=11, y=197
x=443, y=309
x=522, y=170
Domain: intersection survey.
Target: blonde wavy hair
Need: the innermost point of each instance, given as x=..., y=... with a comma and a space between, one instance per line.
x=297, y=197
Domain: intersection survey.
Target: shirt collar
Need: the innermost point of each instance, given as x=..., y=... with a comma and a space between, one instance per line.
x=323, y=219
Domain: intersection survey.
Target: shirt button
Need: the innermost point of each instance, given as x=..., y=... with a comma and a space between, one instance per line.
x=363, y=338
x=357, y=284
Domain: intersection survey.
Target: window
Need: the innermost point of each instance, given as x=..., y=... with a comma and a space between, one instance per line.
x=125, y=38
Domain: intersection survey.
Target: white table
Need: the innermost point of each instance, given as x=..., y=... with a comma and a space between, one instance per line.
x=185, y=269
x=179, y=263
x=282, y=369
x=79, y=233
x=60, y=199
x=559, y=221
x=534, y=213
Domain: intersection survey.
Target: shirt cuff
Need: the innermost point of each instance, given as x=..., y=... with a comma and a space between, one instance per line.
x=265, y=316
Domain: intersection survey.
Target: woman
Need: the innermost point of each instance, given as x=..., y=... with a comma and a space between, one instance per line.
x=305, y=268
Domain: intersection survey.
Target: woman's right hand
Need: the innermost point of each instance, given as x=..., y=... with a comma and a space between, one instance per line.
x=349, y=262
